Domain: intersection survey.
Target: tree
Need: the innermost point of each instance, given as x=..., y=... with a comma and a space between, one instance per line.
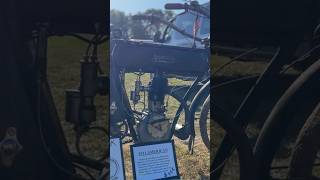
x=119, y=20
x=154, y=27
x=139, y=29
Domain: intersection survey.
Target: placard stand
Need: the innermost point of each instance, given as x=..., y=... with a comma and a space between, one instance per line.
x=154, y=161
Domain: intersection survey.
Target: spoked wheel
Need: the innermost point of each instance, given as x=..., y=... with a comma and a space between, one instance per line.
x=224, y=125
x=305, y=156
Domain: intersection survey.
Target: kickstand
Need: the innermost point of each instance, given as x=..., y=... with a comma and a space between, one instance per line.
x=191, y=144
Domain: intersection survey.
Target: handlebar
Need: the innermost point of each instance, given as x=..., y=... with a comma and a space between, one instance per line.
x=194, y=6
x=174, y=6
x=153, y=18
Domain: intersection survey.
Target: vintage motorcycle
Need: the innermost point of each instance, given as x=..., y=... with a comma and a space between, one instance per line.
x=154, y=123
x=161, y=59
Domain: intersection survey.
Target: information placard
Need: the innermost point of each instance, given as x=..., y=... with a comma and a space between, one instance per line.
x=117, y=171
x=154, y=161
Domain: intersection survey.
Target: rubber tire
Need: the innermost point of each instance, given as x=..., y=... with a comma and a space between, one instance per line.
x=304, y=89
x=239, y=138
x=306, y=148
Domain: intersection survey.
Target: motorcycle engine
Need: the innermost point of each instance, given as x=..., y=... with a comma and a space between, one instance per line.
x=154, y=126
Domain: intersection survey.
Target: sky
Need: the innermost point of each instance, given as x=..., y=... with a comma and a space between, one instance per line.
x=134, y=6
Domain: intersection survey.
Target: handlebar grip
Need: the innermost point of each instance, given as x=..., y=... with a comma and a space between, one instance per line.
x=174, y=6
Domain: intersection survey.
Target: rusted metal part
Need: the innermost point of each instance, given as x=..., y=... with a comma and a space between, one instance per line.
x=9, y=147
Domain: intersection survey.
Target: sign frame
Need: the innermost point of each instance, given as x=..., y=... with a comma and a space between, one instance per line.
x=155, y=143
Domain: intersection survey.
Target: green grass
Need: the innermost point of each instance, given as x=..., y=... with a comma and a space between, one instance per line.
x=234, y=70
x=237, y=68
x=64, y=54
x=191, y=166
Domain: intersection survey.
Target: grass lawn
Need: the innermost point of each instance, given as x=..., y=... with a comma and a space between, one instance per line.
x=64, y=54
x=191, y=166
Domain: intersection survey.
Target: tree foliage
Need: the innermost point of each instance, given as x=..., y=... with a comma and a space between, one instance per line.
x=139, y=29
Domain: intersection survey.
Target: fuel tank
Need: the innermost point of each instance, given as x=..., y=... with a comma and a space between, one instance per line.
x=158, y=57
